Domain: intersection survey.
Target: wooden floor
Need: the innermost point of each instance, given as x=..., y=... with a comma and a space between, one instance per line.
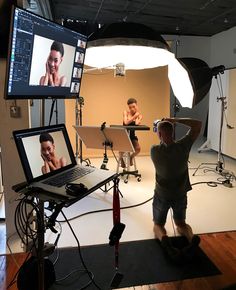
x=220, y=248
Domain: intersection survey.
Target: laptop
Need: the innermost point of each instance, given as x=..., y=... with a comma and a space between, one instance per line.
x=50, y=165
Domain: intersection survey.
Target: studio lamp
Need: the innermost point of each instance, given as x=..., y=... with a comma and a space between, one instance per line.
x=200, y=75
x=133, y=46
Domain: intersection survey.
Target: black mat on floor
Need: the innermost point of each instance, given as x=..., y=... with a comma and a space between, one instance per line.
x=141, y=263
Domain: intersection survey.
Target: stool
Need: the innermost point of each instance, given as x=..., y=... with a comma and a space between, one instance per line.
x=126, y=171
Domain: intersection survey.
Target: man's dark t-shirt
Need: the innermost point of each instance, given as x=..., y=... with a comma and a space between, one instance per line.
x=171, y=165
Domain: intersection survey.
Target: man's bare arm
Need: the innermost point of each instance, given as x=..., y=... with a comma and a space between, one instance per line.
x=127, y=120
x=138, y=120
x=195, y=125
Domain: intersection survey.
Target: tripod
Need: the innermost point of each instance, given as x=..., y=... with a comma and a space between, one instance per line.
x=78, y=121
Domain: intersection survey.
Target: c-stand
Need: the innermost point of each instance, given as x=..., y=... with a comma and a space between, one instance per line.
x=219, y=165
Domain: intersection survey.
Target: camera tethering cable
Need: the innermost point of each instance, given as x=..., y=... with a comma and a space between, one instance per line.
x=80, y=254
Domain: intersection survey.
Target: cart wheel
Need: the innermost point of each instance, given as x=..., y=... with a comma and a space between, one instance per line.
x=126, y=181
x=139, y=179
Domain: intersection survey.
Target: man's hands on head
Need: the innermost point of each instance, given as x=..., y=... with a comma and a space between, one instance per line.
x=195, y=125
x=171, y=120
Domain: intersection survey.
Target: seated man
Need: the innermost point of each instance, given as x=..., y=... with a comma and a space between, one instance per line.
x=170, y=160
x=132, y=117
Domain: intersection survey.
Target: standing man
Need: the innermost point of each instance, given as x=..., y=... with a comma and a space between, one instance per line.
x=170, y=160
x=132, y=117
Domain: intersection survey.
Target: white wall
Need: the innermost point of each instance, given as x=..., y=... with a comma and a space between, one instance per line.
x=215, y=111
x=228, y=135
x=11, y=167
x=216, y=50
x=191, y=46
x=223, y=49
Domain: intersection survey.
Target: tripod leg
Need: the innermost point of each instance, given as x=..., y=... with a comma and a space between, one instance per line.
x=197, y=169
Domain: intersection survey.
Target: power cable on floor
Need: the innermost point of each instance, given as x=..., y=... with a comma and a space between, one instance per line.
x=209, y=183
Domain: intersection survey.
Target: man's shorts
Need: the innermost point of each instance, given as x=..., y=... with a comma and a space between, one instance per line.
x=161, y=206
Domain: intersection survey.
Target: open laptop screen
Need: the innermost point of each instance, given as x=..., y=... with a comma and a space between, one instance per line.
x=44, y=151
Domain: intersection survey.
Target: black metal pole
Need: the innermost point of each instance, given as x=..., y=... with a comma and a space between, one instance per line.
x=80, y=123
x=40, y=246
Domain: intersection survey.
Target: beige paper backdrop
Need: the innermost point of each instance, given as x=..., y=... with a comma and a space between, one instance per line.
x=105, y=99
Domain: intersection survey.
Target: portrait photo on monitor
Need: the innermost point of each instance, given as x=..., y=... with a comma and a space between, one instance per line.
x=77, y=72
x=79, y=58
x=75, y=87
x=52, y=63
x=81, y=43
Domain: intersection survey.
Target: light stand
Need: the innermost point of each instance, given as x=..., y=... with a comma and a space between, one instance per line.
x=56, y=111
x=41, y=207
x=106, y=144
x=219, y=164
x=79, y=103
x=175, y=106
x=42, y=112
x=176, y=109
x=54, y=102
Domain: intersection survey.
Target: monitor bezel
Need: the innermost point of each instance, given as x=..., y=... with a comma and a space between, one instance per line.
x=46, y=96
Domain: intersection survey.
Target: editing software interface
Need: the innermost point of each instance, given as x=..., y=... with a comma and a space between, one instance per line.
x=46, y=59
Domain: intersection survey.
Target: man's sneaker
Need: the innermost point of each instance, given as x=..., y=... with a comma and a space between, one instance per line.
x=195, y=241
x=190, y=250
x=173, y=253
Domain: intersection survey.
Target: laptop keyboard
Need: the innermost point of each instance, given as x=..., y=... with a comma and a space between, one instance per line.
x=69, y=176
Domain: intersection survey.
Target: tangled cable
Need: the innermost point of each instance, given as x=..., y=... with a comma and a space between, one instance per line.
x=28, y=220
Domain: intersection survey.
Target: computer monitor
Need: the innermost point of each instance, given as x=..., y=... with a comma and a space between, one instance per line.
x=45, y=59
